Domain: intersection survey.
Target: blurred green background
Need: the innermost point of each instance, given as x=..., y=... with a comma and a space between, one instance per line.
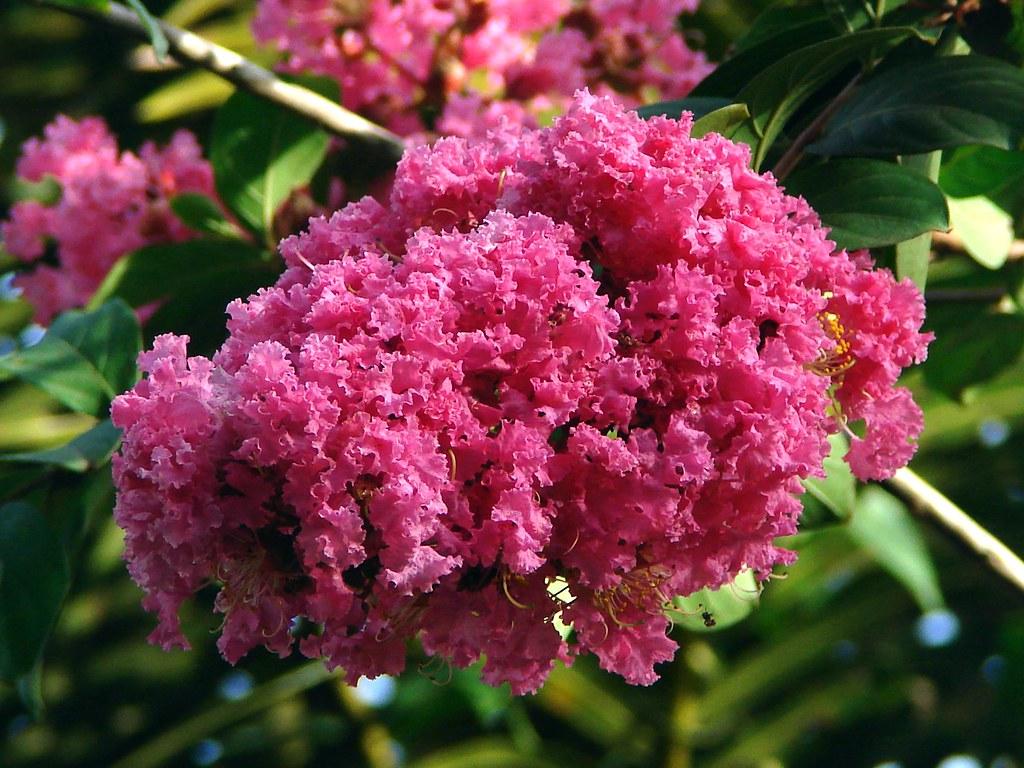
x=839, y=665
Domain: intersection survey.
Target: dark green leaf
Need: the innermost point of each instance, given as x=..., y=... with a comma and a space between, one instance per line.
x=87, y=451
x=33, y=582
x=203, y=214
x=193, y=281
x=869, y=203
x=776, y=33
x=260, y=154
x=882, y=525
x=697, y=106
x=156, y=35
x=779, y=90
x=723, y=121
x=973, y=352
x=940, y=103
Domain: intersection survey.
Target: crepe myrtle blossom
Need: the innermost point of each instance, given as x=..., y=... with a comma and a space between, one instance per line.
x=564, y=372
x=460, y=67
x=110, y=203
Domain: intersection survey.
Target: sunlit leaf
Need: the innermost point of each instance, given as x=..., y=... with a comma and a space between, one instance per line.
x=985, y=229
x=87, y=451
x=883, y=526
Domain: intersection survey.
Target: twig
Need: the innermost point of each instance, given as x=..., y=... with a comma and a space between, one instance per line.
x=964, y=295
x=795, y=151
x=951, y=241
x=192, y=49
x=931, y=503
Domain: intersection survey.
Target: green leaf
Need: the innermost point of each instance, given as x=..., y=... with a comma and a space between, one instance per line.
x=944, y=102
x=46, y=191
x=156, y=35
x=988, y=171
x=973, y=352
x=869, y=203
x=882, y=525
x=108, y=337
x=912, y=256
x=985, y=228
x=723, y=121
x=61, y=371
x=698, y=107
x=33, y=582
x=775, y=33
x=84, y=359
x=838, y=489
x=715, y=609
x=260, y=153
x=203, y=214
x=774, y=95
x=87, y=451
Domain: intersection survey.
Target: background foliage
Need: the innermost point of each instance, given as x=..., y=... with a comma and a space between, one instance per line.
x=886, y=641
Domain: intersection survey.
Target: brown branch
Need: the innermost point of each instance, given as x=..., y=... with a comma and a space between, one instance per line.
x=192, y=49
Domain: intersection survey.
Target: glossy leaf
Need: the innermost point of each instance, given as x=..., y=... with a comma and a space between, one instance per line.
x=773, y=35
x=261, y=152
x=980, y=170
x=882, y=525
x=985, y=229
x=774, y=95
x=84, y=359
x=87, y=451
x=944, y=102
x=869, y=203
x=33, y=582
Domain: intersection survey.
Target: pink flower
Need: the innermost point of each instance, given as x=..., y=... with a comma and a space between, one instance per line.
x=568, y=372
x=405, y=63
x=110, y=204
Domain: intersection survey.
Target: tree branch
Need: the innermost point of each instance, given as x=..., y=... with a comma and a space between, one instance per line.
x=928, y=501
x=192, y=49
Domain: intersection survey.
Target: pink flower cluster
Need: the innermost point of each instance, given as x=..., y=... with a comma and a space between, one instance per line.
x=568, y=372
x=110, y=204
x=461, y=66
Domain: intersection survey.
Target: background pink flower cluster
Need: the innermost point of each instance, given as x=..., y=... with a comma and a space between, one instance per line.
x=564, y=372
x=464, y=65
x=110, y=203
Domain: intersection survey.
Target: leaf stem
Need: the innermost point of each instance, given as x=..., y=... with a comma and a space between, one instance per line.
x=795, y=151
x=931, y=503
x=192, y=49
